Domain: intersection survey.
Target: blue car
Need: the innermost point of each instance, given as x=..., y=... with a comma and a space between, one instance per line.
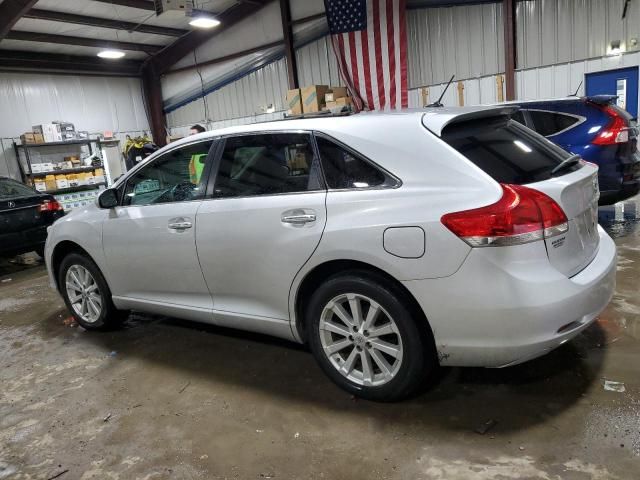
x=596, y=129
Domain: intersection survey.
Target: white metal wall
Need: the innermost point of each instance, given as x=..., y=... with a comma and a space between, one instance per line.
x=466, y=41
x=91, y=103
x=317, y=64
x=557, y=31
x=248, y=97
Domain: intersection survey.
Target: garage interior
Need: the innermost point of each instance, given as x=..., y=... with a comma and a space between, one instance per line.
x=166, y=398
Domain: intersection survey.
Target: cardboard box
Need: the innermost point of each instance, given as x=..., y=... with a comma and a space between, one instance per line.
x=61, y=181
x=67, y=136
x=313, y=98
x=40, y=184
x=46, y=166
x=335, y=93
x=66, y=127
x=28, y=138
x=51, y=132
x=294, y=102
x=36, y=168
x=339, y=104
x=82, y=135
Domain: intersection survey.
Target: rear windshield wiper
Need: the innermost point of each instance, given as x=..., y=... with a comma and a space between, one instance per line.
x=567, y=162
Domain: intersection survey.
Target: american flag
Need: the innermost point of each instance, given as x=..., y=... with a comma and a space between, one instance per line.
x=369, y=39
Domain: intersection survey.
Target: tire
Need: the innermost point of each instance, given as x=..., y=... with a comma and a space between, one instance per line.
x=396, y=336
x=106, y=317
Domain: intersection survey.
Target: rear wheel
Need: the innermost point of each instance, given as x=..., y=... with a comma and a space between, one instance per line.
x=366, y=339
x=86, y=293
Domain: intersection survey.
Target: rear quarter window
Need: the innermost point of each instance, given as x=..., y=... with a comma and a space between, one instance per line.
x=506, y=150
x=551, y=123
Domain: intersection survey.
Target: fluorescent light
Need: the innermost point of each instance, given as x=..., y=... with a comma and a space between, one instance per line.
x=204, y=21
x=111, y=54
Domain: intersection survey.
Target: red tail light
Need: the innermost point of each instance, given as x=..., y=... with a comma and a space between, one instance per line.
x=51, y=206
x=522, y=215
x=616, y=131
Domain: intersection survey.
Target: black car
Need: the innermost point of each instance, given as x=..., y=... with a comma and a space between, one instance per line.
x=25, y=215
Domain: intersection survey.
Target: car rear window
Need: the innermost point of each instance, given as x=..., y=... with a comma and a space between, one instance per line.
x=11, y=189
x=506, y=150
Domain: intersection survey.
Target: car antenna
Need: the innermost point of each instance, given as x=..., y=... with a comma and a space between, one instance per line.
x=577, y=89
x=438, y=103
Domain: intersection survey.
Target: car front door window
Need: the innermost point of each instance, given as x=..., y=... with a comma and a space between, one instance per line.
x=176, y=176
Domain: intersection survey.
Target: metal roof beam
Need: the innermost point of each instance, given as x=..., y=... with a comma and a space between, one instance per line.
x=10, y=12
x=21, y=60
x=102, y=22
x=139, y=4
x=170, y=55
x=85, y=42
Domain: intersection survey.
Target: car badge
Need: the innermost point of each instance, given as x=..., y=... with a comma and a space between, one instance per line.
x=11, y=204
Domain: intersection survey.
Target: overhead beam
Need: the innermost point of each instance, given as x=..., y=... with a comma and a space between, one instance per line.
x=10, y=12
x=509, y=19
x=289, y=51
x=80, y=41
x=63, y=17
x=139, y=4
x=226, y=58
x=186, y=44
x=53, y=62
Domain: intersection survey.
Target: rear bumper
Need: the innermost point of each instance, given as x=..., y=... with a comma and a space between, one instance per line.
x=627, y=190
x=509, y=305
x=15, y=243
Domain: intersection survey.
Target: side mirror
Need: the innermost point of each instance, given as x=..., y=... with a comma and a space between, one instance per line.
x=108, y=198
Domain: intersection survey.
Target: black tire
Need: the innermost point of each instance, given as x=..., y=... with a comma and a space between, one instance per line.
x=109, y=317
x=418, y=358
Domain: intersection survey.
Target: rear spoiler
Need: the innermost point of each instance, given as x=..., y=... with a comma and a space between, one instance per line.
x=602, y=99
x=435, y=120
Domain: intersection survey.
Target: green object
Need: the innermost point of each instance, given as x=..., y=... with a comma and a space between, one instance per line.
x=196, y=166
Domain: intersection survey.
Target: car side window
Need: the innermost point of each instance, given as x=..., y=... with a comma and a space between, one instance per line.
x=175, y=176
x=344, y=168
x=550, y=123
x=266, y=164
x=519, y=117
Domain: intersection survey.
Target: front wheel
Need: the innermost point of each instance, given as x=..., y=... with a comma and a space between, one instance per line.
x=86, y=293
x=366, y=339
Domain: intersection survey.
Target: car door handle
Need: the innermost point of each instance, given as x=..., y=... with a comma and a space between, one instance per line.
x=301, y=218
x=179, y=224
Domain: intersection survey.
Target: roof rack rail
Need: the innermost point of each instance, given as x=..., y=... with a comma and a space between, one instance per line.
x=324, y=113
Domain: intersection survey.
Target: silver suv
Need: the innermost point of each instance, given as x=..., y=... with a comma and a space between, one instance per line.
x=390, y=243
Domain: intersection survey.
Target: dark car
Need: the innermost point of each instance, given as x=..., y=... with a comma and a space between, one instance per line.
x=25, y=215
x=596, y=129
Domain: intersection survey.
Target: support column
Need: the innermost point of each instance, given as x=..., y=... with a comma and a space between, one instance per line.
x=292, y=64
x=509, y=19
x=153, y=99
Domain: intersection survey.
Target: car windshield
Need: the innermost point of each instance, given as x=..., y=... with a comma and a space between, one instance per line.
x=11, y=189
x=508, y=151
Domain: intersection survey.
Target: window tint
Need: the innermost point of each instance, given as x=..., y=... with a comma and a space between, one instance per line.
x=11, y=189
x=343, y=169
x=507, y=151
x=174, y=177
x=550, y=123
x=264, y=164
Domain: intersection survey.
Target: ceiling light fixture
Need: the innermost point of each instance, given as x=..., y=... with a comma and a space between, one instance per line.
x=203, y=20
x=111, y=54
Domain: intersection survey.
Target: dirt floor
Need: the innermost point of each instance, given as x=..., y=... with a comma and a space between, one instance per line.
x=164, y=398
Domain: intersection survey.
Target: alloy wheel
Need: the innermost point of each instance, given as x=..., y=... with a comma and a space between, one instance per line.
x=361, y=339
x=83, y=293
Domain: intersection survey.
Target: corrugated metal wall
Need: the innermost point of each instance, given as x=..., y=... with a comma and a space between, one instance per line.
x=465, y=41
x=95, y=104
x=247, y=97
x=557, y=31
x=317, y=64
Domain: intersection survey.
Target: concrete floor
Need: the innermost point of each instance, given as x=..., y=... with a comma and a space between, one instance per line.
x=169, y=399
